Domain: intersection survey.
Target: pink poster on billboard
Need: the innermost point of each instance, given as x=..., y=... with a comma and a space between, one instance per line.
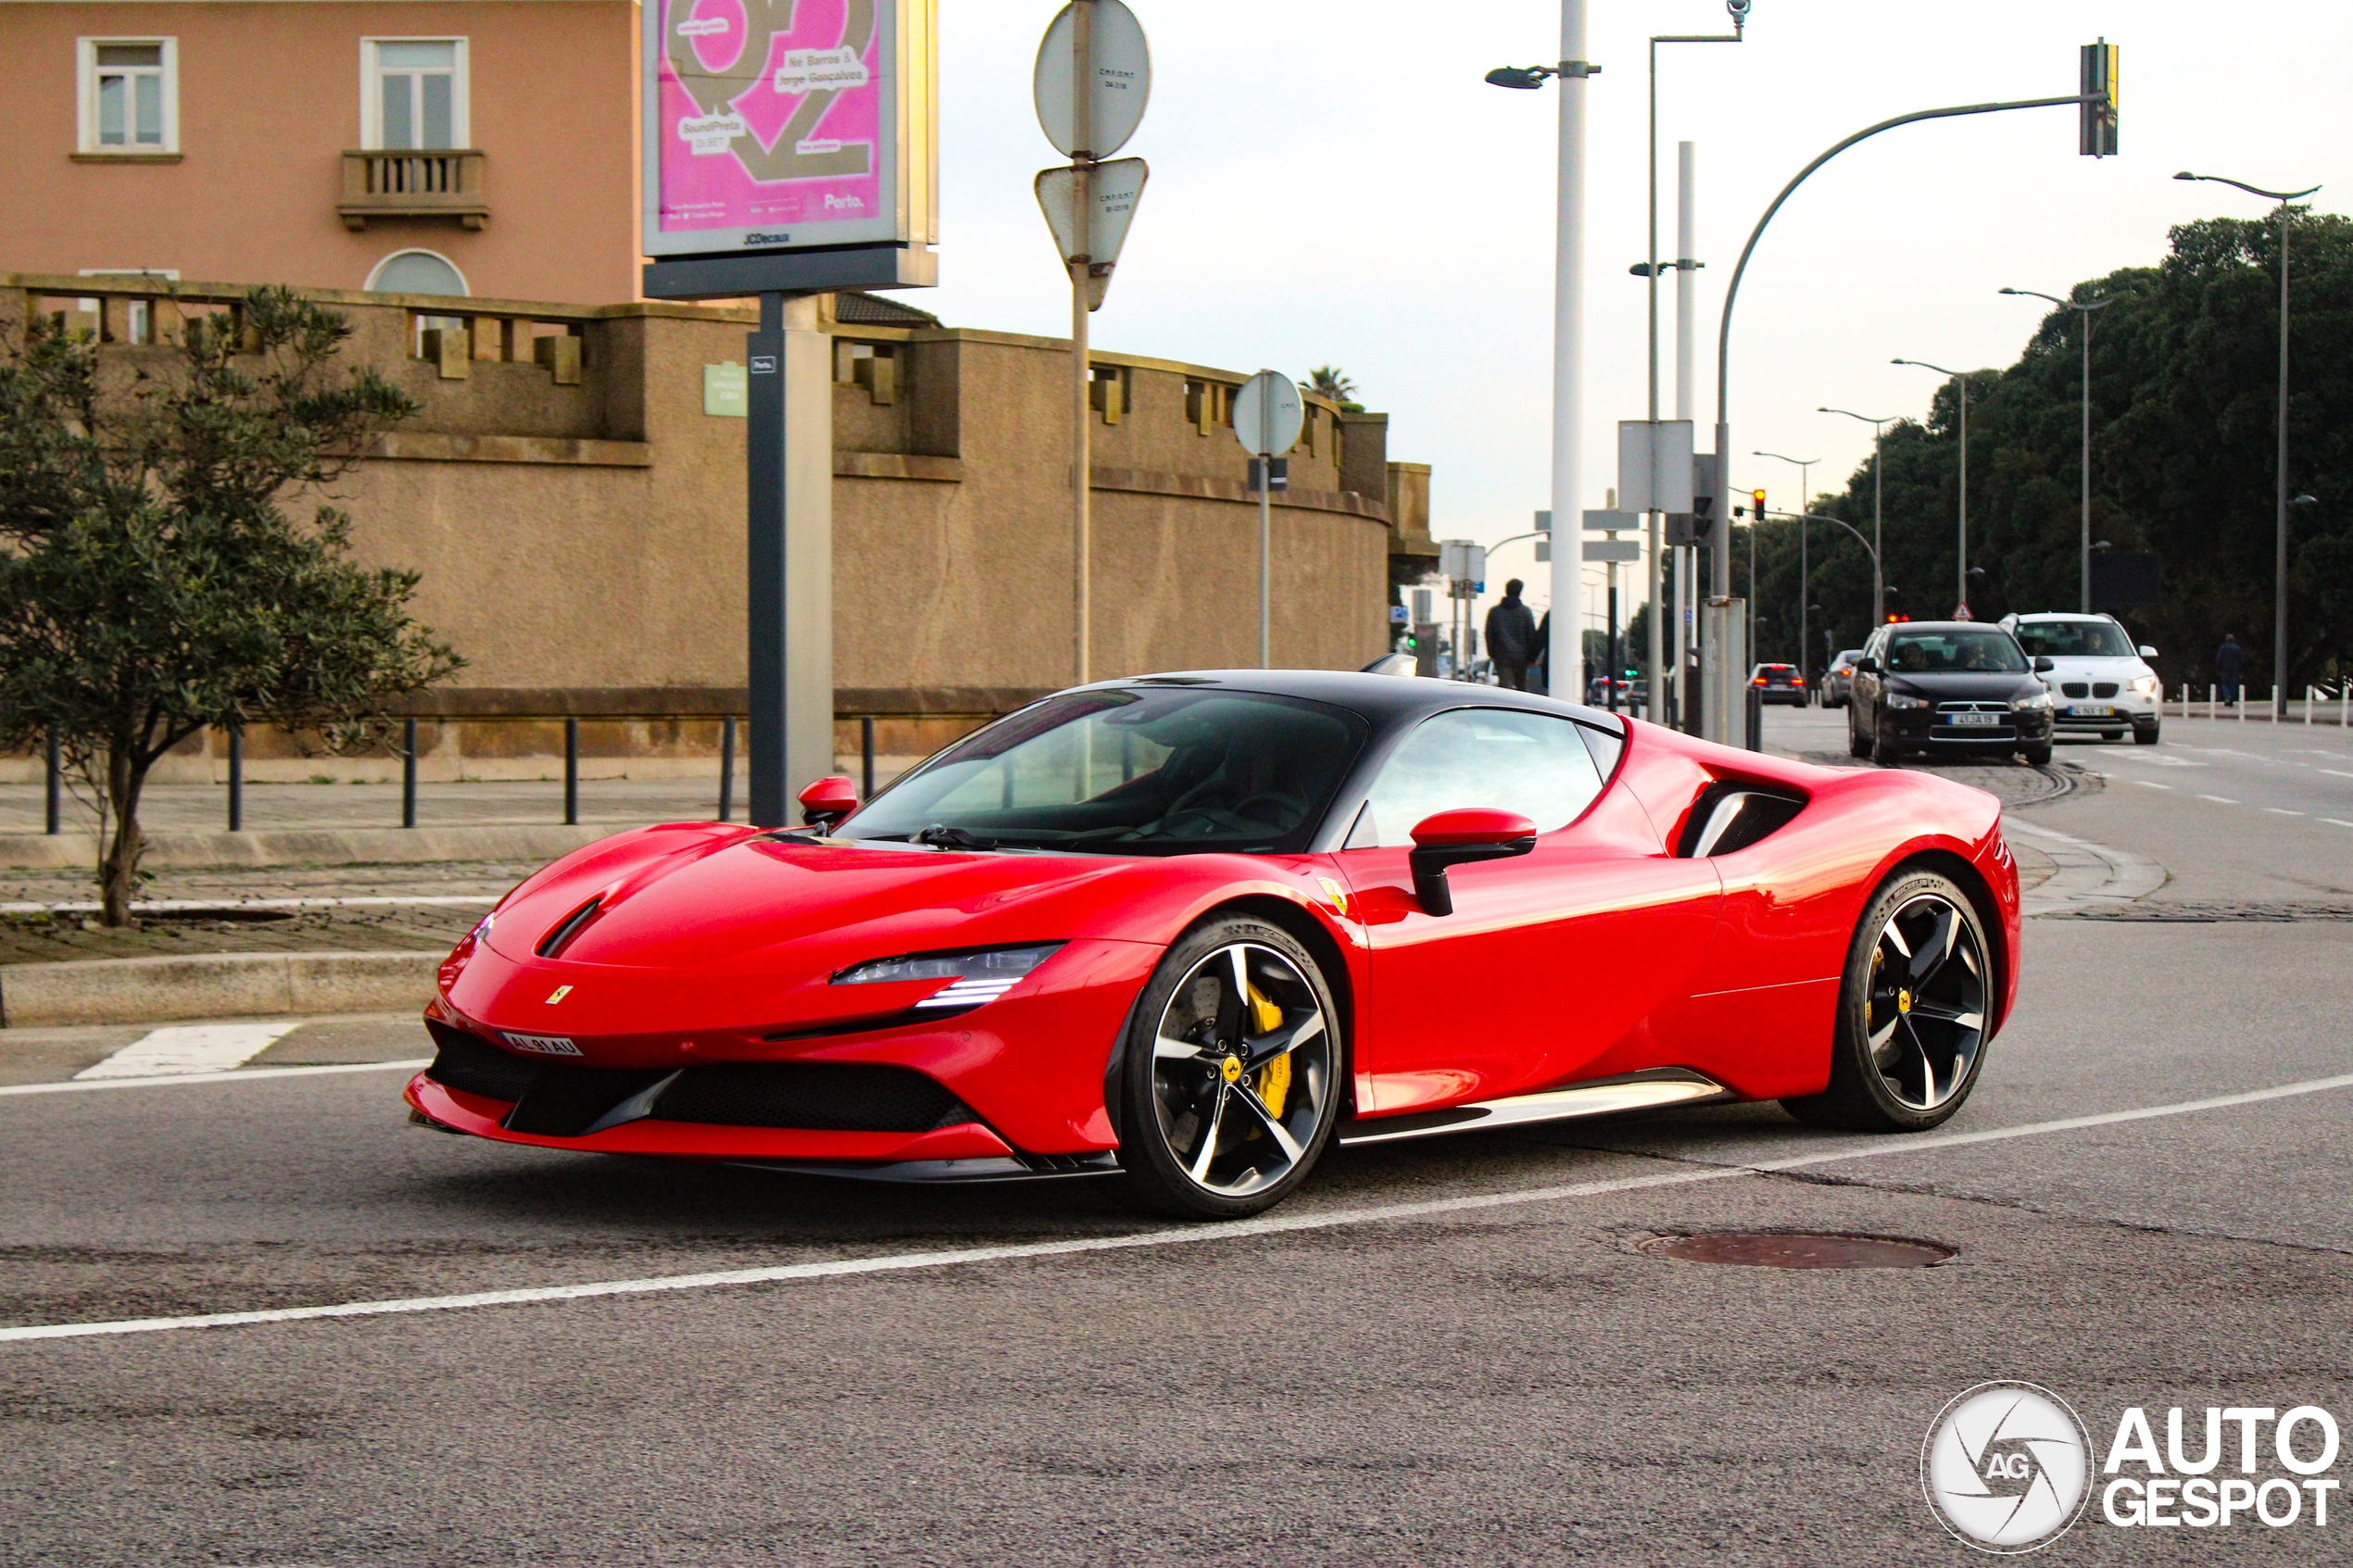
x=772, y=126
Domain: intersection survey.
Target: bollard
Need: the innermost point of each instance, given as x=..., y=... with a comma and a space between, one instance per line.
x=866, y=756
x=236, y=778
x=2312, y=700
x=728, y=768
x=407, y=772
x=571, y=772
x=55, y=784
x=1755, y=720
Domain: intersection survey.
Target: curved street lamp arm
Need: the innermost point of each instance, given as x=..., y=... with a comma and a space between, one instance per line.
x=2250, y=190
x=1731, y=291
x=1818, y=517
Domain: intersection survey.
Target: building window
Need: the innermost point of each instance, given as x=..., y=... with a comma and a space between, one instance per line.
x=417, y=271
x=412, y=94
x=130, y=95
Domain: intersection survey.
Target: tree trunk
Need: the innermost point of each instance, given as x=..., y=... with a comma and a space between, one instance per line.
x=119, y=859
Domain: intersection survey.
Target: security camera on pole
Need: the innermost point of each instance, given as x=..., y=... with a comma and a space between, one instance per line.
x=1268, y=419
x=1093, y=76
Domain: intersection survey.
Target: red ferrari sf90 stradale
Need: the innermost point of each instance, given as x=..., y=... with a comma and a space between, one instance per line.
x=1188, y=930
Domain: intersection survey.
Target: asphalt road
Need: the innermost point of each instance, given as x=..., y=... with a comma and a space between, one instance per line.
x=1454, y=1351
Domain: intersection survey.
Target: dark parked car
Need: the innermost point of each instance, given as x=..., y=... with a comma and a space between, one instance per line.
x=1838, y=678
x=1778, y=683
x=1947, y=686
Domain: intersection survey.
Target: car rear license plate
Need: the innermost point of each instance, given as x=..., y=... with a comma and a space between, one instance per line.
x=2091, y=710
x=1967, y=720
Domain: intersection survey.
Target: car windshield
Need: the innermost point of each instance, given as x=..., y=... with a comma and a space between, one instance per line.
x=2075, y=639
x=1954, y=652
x=1846, y=658
x=1154, y=771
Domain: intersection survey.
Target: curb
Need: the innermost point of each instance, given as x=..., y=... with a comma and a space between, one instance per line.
x=310, y=846
x=2089, y=876
x=212, y=986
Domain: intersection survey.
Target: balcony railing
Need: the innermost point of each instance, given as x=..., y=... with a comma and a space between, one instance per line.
x=440, y=183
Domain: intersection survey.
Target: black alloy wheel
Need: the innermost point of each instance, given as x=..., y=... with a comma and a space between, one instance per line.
x=1912, y=1014
x=1232, y=1081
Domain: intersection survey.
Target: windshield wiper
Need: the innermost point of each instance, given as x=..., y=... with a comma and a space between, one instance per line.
x=941, y=837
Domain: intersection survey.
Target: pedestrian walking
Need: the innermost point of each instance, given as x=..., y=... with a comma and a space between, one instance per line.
x=2230, y=663
x=1511, y=638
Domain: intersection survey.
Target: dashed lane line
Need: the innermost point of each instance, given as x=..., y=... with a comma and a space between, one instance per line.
x=2338, y=822
x=1271, y=1226
x=2151, y=783
x=2281, y=811
x=241, y=1075
x=2219, y=799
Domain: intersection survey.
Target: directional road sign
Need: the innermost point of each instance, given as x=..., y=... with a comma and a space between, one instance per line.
x=1267, y=414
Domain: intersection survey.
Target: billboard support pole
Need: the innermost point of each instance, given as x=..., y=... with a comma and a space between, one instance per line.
x=1082, y=374
x=788, y=470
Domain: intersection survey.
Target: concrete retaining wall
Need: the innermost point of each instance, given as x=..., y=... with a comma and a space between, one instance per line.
x=212, y=986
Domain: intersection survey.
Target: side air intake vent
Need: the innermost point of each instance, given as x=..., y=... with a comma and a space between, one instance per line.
x=1732, y=816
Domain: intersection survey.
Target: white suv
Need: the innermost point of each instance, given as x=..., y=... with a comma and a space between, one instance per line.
x=2098, y=680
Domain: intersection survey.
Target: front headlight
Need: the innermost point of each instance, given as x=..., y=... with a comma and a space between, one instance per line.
x=2148, y=686
x=977, y=977
x=2035, y=704
x=1905, y=699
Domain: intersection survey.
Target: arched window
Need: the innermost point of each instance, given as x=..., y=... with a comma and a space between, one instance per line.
x=417, y=271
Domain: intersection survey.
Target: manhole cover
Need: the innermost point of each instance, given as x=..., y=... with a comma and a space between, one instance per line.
x=1776, y=1249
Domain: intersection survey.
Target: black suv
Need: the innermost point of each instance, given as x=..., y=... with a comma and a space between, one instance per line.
x=1947, y=686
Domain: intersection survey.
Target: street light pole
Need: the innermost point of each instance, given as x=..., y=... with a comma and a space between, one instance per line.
x=1960, y=598
x=2278, y=582
x=1804, y=499
x=1879, y=490
x=2083, y=309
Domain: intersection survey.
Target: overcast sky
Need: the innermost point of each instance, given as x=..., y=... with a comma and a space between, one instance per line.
x=1331, y=181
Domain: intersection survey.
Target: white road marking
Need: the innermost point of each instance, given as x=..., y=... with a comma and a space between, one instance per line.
x=2338, y=822
x=242, y=1075
x=2151, y=783
x=2281, y=811
x=191, y=1047
x=1272, y=1225
x=2219, y=799
x=2334, y=773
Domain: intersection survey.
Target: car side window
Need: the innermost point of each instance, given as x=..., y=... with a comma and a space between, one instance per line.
x=1498, y=758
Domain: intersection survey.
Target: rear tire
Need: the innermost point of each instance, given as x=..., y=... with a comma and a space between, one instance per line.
x=2111, y=734
x=1929, y=1022
x=1232, y=1128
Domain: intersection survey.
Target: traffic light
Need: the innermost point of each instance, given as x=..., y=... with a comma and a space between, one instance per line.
x=1757, y=504
x=2096, y=137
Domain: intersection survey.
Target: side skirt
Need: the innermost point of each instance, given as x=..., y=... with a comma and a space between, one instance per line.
x=950, y=1173
x=1636, y=1091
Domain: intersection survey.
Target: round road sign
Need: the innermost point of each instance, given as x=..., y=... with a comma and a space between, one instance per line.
x=1123, y=79
x=1267, y=414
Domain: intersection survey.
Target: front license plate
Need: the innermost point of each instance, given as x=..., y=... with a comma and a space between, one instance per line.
x=2091, y=710
x=1968, y=720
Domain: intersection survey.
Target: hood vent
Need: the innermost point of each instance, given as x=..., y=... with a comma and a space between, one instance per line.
x=559, y=937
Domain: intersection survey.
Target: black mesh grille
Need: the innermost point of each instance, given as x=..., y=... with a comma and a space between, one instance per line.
x=2104, y=688
x=564, y=1102
x=2076, y=688
x=472, y=1065
x=817, y=1096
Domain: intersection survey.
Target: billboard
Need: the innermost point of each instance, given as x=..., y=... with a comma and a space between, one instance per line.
x=784, y=125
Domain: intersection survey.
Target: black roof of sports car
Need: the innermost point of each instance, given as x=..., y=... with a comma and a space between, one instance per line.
x=1387, y=701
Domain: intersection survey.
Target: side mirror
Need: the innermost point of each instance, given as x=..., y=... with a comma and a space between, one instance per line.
x=828, y=801
x=2147, y=652
x=1864, y=667
x=1457, y=838
x=2043, y=663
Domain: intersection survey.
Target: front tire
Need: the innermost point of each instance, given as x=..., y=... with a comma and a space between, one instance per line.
x=1856, y=745
x=2037, y=756
x=1232, y=1074
x=1884, y=751
x=1912, y=1012
x=2145, y=735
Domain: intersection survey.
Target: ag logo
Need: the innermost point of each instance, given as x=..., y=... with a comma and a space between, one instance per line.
x=2006, y=1467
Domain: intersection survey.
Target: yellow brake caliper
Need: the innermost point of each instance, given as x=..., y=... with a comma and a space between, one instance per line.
x=1274, y=1079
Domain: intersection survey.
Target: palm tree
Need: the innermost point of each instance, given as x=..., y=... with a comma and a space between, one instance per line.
x=1330, y=381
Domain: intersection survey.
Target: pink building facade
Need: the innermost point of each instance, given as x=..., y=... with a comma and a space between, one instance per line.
x=487, y=147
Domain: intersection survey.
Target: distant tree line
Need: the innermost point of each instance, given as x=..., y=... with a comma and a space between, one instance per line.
x=2185, y=377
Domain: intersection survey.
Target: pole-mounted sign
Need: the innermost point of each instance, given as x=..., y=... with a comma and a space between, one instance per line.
x=1268, y=416
x=790, y=150
x=1093, y=77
